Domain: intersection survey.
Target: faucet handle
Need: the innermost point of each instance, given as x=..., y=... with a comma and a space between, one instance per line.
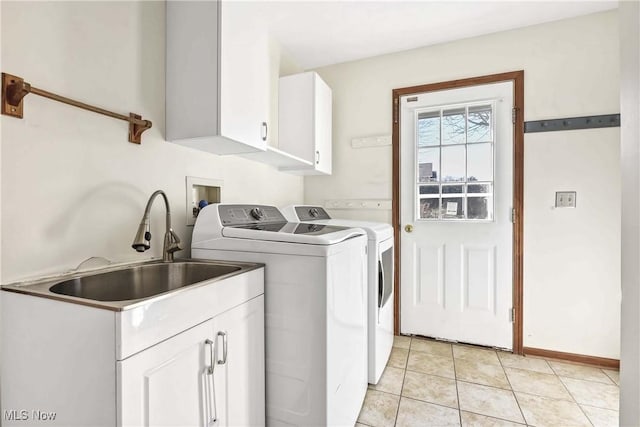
x=174, y=247
x=172, y=242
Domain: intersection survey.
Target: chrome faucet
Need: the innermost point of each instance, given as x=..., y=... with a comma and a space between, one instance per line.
x=142, y=241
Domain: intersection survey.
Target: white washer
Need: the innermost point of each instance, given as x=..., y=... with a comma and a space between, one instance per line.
x=380, y=272
x=315, y=308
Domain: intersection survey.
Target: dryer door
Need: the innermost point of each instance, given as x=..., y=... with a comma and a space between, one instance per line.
x=385, y=272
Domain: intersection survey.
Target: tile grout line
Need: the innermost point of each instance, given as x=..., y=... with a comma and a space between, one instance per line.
x=611, y=381
x=497, y=418
x=589, y=381
x=585, y=414
x=568, y=391
x=609, y=376
x=574, y=398
x=420, y=400
x=385, y=392
x=571, y=394
x=579, y=406
x=455, y=380
x=484, y=385
x=432, y=375
x=571, y=399
x=404, y=375
x=513, y=392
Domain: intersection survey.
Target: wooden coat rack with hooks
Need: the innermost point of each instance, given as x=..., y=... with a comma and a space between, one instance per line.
x=14, y=89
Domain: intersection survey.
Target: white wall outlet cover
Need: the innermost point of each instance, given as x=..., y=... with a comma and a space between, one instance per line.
x=565, y=199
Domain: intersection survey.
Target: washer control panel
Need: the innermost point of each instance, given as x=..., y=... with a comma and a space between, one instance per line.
x=311, y=213
x=249, y=214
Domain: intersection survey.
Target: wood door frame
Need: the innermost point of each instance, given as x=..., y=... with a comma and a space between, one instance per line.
x=517, y=77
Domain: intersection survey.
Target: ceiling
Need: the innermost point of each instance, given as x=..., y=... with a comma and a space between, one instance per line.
x=323, y=32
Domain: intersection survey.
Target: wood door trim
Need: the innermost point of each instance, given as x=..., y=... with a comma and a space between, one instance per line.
x=602, y=362
x=517, y=77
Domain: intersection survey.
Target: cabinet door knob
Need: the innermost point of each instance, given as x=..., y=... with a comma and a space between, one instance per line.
x=265, y=132
x=317, y=157
x=408, y=228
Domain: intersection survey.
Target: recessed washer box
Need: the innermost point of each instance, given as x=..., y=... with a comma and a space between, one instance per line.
x=198, y=189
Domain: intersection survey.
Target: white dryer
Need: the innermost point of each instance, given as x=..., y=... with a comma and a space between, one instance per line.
x=315, y=308
x=380, y=272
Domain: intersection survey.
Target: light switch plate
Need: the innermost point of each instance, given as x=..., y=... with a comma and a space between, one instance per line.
x=565, y=199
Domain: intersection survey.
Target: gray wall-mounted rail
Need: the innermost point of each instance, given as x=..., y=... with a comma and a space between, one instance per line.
x=573, y=123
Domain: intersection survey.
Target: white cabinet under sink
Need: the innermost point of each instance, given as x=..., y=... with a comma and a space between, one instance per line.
x=304, y=122
x=217, y=77
x=172, y=383
x=147, y=365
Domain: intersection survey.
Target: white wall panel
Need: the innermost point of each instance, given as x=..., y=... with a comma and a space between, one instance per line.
x=479, y=278
x=430, y=273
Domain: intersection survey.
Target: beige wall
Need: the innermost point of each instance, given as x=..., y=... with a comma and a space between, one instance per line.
x=72, y=186
x=572, y=265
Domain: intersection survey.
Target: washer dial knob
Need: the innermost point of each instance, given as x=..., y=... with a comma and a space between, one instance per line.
x=257, y=213
x=314, y=212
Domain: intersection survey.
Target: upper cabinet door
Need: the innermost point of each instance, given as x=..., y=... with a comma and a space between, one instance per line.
x=217, y=79
x=323, y=127
x=304, y=121
x=244, y=75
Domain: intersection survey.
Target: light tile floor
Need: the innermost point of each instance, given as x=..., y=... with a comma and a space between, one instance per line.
x=432, y=383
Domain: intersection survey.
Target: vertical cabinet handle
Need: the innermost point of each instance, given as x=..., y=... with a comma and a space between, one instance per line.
x=211, y=351
x=211, y=407
x=317, y=157
x=224, y=348
x=265, y=131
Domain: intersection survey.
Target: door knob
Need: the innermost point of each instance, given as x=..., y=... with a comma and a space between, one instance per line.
x=408, y=228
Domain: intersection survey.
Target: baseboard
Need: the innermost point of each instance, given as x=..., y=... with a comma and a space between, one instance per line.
x=602, y=362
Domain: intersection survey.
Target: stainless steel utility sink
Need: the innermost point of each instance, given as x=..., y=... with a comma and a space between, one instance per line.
x=140, y=282
x=125, y=286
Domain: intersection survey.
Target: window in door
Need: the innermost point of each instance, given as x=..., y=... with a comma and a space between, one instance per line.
x=455, y=159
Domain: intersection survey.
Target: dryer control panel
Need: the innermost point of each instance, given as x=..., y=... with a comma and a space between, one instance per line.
x=311, y=213
x=249, y=214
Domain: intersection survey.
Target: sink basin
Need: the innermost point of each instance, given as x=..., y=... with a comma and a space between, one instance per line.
x=141, y=281
x=126, y=286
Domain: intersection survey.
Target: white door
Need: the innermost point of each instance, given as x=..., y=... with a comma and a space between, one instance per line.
x=456, y=195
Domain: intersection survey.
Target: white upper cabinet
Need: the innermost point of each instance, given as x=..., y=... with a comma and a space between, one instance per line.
x=217, y=77
x=304, y=122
